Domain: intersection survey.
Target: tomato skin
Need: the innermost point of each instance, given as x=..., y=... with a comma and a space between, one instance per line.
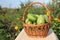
x=16, y=27
x=27, y=21
x=31, y=17
x=59, y=18
x=40, y=20
x=46, y=18
x=52, y=9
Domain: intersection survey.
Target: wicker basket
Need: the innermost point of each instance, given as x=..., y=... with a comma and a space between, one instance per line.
x=36, y=30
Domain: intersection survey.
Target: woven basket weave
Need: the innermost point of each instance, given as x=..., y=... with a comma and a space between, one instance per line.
x=36, y=30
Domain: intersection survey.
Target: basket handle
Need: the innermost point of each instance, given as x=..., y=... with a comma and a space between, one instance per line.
x=30, y=6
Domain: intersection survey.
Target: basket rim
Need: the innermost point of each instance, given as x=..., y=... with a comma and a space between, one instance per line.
x=34, y=24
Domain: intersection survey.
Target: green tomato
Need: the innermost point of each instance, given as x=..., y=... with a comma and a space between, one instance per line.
x=36, y=16
x=31, y=17
x=40, y=20
x=46, y=18
x=27, y=21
